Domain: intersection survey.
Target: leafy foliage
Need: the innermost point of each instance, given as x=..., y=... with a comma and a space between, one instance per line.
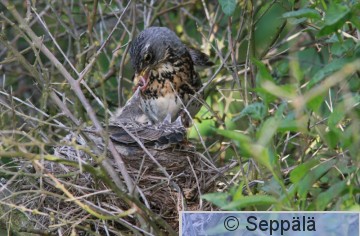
x=301, y=115
x=228, y=6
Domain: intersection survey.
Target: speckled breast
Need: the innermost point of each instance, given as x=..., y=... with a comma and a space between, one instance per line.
x=172, y=84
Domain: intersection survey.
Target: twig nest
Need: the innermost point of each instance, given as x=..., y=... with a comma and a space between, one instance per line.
x=188, y=170
x=56, y=193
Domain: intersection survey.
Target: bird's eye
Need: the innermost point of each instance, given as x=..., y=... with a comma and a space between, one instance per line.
x=147, y=57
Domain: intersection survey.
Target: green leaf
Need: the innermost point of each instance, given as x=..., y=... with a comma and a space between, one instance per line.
x=266, y=96
x=260, y=153
x=336, y=116
x=315, y=103
x=264, y=73
x=281, y=91
x=341, y=48
x=332, y=138
x=219, y=199
x=296, y=21
x=262, y=76
x=239, y=191
x=293, y=125
x=355, y=12
x=228, y=6
x=335, y=17
x=263, y=156
x=312, y=176
x=251, y=201
x=234, y=135
x=301, y=170
x=255, y=110
x=272, y=187
x=334, y=66
x=305, y=12
x=267, y=131
x=324, y=198
x=280, y=110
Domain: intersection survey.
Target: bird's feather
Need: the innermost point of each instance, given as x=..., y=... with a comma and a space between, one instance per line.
x=127, y=120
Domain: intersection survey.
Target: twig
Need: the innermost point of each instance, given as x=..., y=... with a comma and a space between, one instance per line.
x=122, y=63
x=93, y=59
x=54, y=41
x=232, y=53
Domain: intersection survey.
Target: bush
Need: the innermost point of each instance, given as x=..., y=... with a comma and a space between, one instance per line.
x=282, y=101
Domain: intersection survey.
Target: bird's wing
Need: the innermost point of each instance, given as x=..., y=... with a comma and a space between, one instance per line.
x=162, y=133
x=199, y=58
x=132, y=119
x=132, y=111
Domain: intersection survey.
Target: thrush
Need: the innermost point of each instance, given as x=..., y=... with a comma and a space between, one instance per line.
x=165, y=73
x=165, y=83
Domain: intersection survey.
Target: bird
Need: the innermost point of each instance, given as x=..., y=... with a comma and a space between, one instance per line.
x=165, y=74
x=132, y=119
x=165, y=81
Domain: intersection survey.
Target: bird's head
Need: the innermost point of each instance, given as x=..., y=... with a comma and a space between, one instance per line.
x=149, y=49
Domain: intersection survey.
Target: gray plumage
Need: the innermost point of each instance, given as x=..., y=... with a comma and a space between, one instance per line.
x=160, y=134
x=164, y=75
x=133, y=118
x=156, y=40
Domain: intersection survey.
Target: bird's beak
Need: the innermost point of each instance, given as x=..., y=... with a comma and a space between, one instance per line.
x=142, y=79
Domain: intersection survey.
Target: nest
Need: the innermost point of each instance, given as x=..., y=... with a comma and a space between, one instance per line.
x=53, y=195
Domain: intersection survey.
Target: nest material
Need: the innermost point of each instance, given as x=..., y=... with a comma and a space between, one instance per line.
x=188, y=170
x=58, y=195
x=55, y=213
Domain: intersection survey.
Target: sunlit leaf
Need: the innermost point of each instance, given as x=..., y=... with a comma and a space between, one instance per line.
x=305, y=12
x=234, y=135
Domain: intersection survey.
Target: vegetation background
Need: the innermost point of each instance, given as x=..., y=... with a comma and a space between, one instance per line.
x=282, y=99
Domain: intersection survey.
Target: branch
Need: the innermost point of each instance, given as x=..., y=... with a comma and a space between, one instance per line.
x=75, y=86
